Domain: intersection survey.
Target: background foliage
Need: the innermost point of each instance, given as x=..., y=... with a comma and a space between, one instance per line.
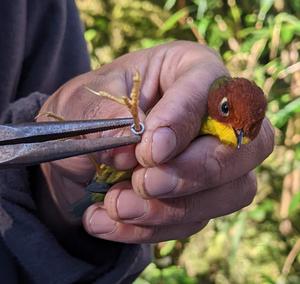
x=259, y=40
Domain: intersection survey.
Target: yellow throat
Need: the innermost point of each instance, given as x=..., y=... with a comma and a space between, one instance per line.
x=224, y=132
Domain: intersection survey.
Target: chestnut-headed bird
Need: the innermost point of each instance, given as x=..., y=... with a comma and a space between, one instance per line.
x=236, y=109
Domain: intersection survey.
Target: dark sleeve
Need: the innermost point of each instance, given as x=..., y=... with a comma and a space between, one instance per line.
x=44, y=48
x=41, y=47
x=42, y=257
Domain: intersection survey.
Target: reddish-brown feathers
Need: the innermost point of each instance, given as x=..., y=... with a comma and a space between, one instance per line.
x=246, y=102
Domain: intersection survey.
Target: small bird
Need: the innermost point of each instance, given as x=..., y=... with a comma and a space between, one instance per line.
x=236, y=109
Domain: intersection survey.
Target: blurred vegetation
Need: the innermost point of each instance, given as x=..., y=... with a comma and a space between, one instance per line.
x=259, y=40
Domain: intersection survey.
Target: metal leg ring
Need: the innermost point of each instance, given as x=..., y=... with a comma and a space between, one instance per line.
x=137, y=132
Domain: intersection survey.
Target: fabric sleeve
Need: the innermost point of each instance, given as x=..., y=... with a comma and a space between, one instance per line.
x=42, y=48
x=42, y=257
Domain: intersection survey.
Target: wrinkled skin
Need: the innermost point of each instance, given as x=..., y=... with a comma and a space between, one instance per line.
x=179, y=181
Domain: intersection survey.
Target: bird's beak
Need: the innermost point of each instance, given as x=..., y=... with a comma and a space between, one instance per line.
x=239, y=136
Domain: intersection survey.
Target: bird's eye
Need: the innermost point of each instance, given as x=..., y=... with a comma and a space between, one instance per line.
x=224, y=107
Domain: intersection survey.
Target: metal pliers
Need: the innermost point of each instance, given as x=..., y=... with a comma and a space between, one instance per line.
x=34, y=143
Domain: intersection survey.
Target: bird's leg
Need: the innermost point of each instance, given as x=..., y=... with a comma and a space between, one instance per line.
x=51, y=115
x=132, y=102
x=106, y=95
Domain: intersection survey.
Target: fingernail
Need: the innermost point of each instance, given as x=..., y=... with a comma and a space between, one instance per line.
x=131, y=206
x=100, y=223
x=163, y=144
x=160, y=181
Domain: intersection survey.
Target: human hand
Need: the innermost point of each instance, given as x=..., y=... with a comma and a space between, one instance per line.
x=182, y=181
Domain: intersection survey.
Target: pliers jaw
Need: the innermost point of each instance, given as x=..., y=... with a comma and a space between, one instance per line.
x=34, y=143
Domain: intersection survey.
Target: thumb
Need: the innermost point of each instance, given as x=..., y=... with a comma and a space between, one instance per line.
x=176, y=118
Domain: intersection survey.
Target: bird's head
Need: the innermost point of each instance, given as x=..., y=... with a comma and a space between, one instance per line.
x=239, y=104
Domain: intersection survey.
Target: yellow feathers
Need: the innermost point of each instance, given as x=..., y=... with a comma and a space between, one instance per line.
x=110, y=175
x=224, y=132
x=210, y=126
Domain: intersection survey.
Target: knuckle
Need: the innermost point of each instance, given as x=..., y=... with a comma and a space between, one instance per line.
x=145, y=234
x=265, y=140
x=213, y=168
x=248, y=189
x=175, y=211
x=269, y=136
x=192, y=116
x=239, y=193
x=195, y=47
x=194, y=211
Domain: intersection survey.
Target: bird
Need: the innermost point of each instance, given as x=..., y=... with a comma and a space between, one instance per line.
x=236, y=108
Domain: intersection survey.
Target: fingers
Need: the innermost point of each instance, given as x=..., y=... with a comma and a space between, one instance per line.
x=206, y=163
x=126, y=217
x=183, y=77
x=127, y=206
x=98, y=224
x=176, y=118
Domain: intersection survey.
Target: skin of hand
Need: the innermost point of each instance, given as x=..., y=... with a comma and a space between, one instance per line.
x=180, y=180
